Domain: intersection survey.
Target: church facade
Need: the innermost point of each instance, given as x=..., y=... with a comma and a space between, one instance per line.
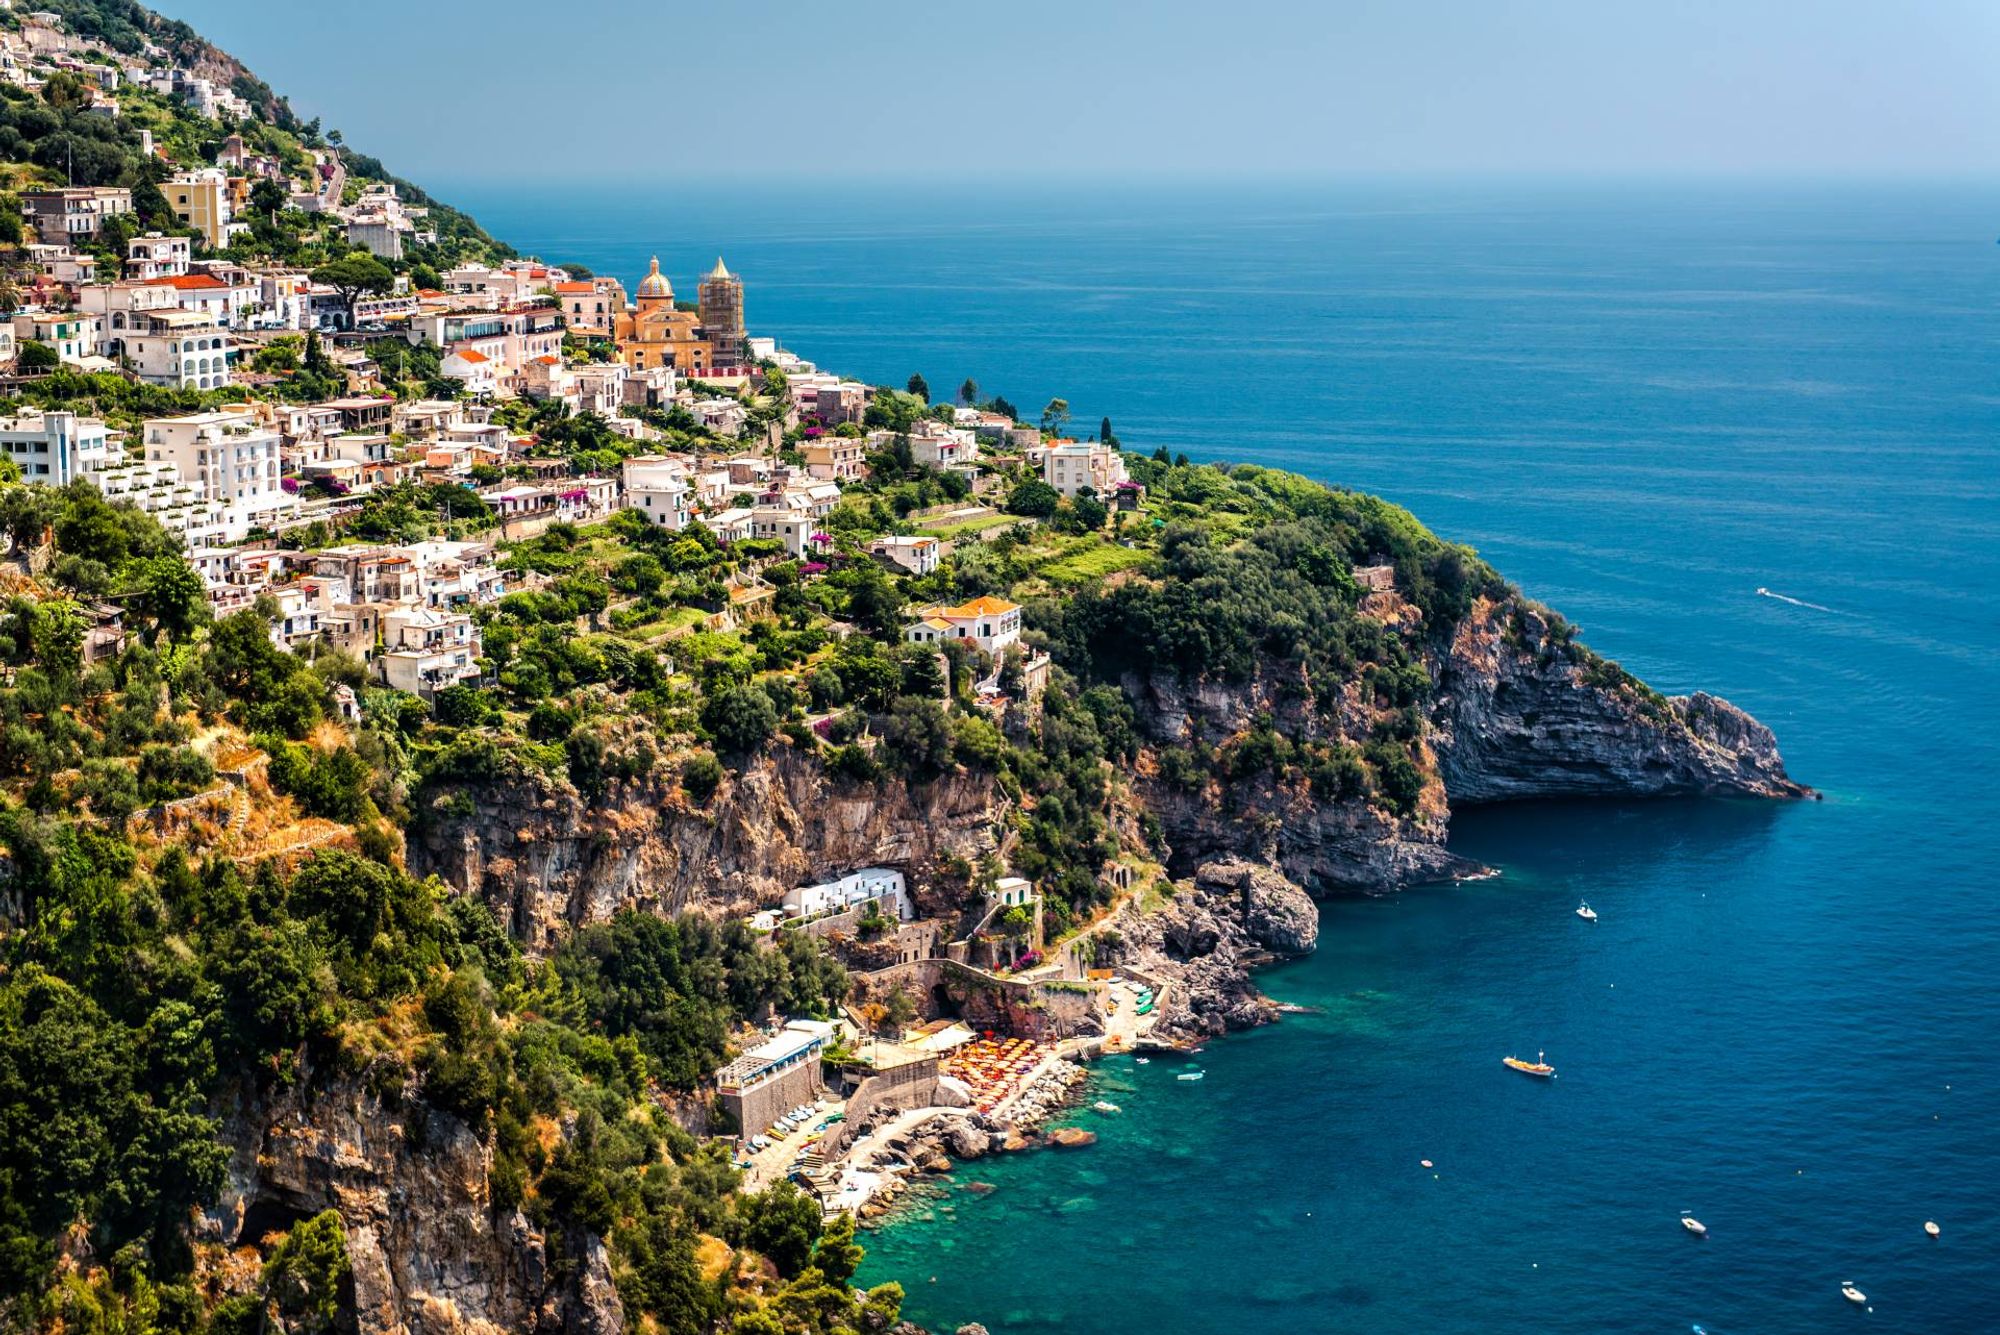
x=707, y=340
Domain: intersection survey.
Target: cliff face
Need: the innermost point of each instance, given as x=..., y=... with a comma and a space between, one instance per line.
x=1208, y=937
x=546, y=859
x=1517, y=713
x=1327, y=845
x=430, y=1256
x=1515, y=717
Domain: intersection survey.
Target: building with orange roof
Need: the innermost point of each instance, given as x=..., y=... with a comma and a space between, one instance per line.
x=479, y=372
x=992, y=623
x=592, y=307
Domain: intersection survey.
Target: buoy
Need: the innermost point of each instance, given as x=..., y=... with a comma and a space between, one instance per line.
x=1930, y=1227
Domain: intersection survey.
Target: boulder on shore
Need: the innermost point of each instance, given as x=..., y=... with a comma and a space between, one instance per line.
x=1072, y=1137
x=1276, y=912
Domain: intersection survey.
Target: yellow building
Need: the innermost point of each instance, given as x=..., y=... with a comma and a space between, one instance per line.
x=654, y=333
x=201, y=199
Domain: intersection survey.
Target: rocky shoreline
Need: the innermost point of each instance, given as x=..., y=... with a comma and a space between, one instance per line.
x=916, y=1161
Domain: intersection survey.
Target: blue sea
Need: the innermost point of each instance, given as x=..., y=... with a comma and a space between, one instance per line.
x=1643, y=402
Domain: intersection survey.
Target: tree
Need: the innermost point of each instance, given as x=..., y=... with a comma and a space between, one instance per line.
x=267, y=196
x=782, y=1223
x=1056, y=416
x=57, y=631
x=353, y=274
x=1089, y=511
x=739, y=718
x=919, y=387
x=1033, y=498
x=306, y=1271
x=916, y=738
x=168, y=594
x=35, y=356
x=968, y=393
x=1104, y=432
x=836, y=1256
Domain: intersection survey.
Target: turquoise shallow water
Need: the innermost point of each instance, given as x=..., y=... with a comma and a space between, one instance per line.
x=1642, y=403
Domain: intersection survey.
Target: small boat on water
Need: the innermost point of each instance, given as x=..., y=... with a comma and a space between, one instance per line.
x=1931, y=1229
x=1852, y=1294
x=1587, y=913
x=1693, y=1225
x=1537, y=1067
x=1105, y=1106
x=1190, y=1075
x=1143, y=1061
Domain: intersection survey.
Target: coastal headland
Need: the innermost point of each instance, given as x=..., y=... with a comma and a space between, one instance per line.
x=528, y=806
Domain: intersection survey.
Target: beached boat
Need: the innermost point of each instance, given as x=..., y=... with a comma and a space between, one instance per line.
x=1693, y=1225
x=1537, y=1067
x=1190, y=1075
x=1587, y=913
x=1852, y=1294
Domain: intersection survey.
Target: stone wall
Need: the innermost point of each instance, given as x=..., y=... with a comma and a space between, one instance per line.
x=756, y=1108
x=911, y=1085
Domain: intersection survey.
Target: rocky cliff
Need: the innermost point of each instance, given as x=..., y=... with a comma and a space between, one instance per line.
x=1518, y=710
x=430, y=1255
x=1233, y=915
x=545, y=858
x=1522, y=712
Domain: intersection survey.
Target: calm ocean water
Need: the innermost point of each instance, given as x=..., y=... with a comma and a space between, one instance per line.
x=1642, y=403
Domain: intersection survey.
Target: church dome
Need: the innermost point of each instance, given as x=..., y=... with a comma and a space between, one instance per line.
x=655, y=284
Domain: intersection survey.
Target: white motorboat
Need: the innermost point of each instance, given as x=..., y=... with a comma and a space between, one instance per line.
x=1587, y=913
x=1931, y=1229
x=1693, y=1225
x=1852, y=1294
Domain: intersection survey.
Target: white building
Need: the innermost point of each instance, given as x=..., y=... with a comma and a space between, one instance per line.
x=882, y=884
x=991, y=623
x=56, y=448
x=918, y=556
x=156, y=256
x=1071, y=467
x=229, y=455
x=932, y=444
x=793, y=529
x=179, y=349
x=657, y=487
x=426, y=649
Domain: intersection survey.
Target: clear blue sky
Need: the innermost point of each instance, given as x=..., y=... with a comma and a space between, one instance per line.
x=468, y=89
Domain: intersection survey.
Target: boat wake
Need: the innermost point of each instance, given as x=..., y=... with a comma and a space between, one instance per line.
x=1799, y=602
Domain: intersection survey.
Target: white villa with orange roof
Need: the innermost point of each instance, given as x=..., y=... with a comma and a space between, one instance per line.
x=991, y=623
x=479, y=372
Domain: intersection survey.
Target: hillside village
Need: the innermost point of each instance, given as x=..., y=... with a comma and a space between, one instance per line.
x=533, y=805
x=433, y=383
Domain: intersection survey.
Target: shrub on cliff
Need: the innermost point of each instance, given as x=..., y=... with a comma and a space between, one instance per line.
x=739, y=719
x=701, y=775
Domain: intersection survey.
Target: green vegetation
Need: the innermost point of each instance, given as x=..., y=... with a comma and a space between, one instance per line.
x=167, y=957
